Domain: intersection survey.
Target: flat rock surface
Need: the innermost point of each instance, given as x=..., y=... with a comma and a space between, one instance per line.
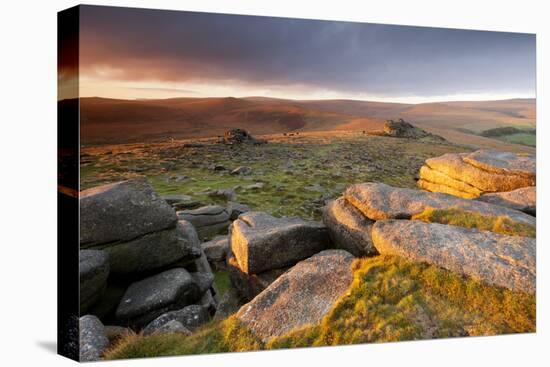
x=122, y=211
x=208, y=220
x=443, y=188
x=454, y=166
x=380, y=201
x=93, y=340
x=93, y=273
x=301, y=296
x=348, y=228
x=503, y=162
x=429, y=176
x=191, y=317
x=524, y=199
x=205, y=216
x=154, y=251
x=505, y=261
x=148, y=298
x=262, y=242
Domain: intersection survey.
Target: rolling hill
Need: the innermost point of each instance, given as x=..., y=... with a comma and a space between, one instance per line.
x=107, y=121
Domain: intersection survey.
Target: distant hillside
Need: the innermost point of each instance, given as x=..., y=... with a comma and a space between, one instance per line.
x=120, y=121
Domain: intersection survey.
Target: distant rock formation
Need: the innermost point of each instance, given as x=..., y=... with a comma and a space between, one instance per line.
x=403, y=129
x=239, y=136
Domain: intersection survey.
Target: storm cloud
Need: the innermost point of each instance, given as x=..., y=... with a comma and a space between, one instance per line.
x=172, y=46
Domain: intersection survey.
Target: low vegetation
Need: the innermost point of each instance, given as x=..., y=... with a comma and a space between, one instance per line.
x=457, y=217
x=390, y=299
x=222, y=282
x=507, y=130
x=217, y=337
x=510, y=134
x=297, y=174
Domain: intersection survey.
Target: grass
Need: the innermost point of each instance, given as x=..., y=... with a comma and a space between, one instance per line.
x=389, y=299
x=457, y=217
x=222, y=282
x=217, y=337
x=298, y=174
x=520, y=138
x=521, y=135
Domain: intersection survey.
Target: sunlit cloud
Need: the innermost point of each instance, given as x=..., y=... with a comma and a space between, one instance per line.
x=136, y=53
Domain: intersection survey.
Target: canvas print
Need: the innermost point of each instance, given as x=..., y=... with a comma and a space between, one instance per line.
x=242, y=183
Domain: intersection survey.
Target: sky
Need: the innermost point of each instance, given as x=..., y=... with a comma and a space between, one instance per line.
x=140, y=53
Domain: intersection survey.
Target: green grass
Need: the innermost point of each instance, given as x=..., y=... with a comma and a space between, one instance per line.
x=390, y=299
x=522, y=135
x=520, y=138
x=457, y=217
x=222, y=282
x=217, y=337
x=298, y=176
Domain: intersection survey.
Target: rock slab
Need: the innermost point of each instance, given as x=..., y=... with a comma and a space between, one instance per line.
x=505, y=261
x=190, y=317
x=93, y=273
x=523, y=199
x=262, y=242
x=472, y=174
x=348, y=228
x=379, y=201
x=216, y=250
x=302, y=296
x=122, y=211
x=153, y=251
x=208, y=220
x=151, y=297
x=93, y=340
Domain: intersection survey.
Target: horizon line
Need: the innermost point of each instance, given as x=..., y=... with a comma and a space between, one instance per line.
x=313, y=99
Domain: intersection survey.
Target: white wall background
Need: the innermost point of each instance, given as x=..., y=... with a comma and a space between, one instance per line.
x=28, y=181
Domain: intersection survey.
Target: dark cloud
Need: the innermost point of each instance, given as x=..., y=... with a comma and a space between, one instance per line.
x=342, y=56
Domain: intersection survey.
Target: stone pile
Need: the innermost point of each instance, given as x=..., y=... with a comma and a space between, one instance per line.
x=403, y=129
x=143, y=266
x=374, y=218
x=140, y=267
x=471, y=175
x=239, y=136
x=263, y=247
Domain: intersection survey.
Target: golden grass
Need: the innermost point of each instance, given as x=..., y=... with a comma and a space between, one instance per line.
x=457, y=217
x=216, y=337
x=390, y=299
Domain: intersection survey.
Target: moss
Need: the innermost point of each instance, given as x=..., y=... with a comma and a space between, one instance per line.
x=457, y=217
x=389, y=299
x=222, y=282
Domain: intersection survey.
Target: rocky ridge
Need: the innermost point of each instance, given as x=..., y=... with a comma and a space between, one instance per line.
x=138, y=263
x=292, y=271
x=470, y=175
